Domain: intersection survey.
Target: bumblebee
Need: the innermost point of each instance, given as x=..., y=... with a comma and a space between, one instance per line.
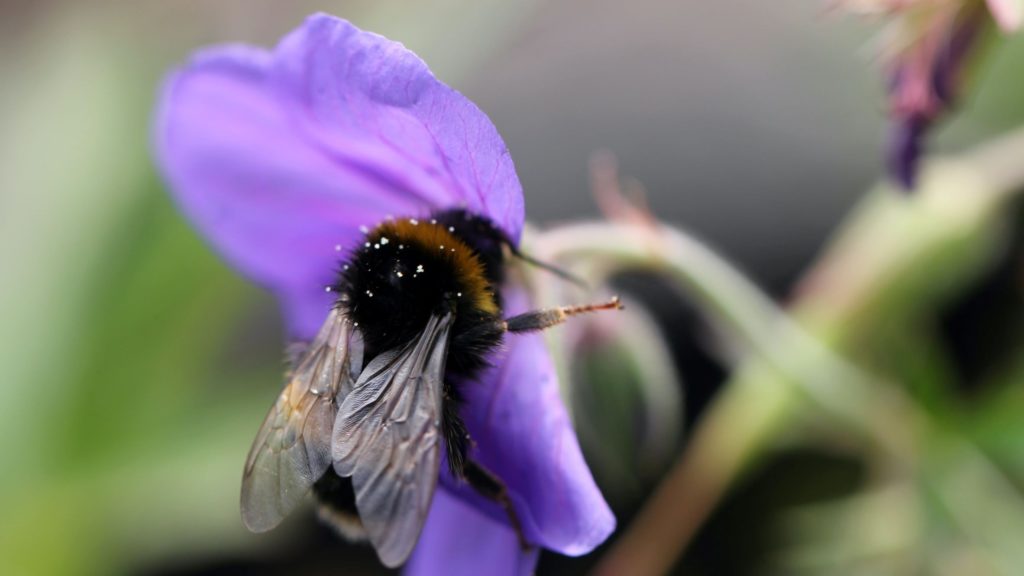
x=370, y=402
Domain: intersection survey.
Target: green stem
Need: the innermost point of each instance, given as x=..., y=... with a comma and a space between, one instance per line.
x=930, y=243
x=744, y=312
x=753, y=408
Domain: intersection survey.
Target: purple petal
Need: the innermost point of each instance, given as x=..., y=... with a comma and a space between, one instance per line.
x=459, y=540
x=903, y=150
x=523, y=434
x=951, y=58
x=278, y=157
x=424, y=137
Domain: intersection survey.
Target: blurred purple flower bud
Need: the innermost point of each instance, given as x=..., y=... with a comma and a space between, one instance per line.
x=926, y=83
x=926, y=52
x=903, y=149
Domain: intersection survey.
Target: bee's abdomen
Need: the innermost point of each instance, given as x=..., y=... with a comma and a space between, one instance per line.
x=336, y=505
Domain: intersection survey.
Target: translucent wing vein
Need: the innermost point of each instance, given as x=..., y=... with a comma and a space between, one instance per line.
x=386, y=437
x=292, y=447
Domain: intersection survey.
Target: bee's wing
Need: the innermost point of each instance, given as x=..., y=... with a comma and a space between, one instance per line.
x=293, y=447
x=386, y=438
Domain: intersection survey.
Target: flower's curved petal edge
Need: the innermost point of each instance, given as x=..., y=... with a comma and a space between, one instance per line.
x=459, y=540
x=278, y=157
x=523, y=434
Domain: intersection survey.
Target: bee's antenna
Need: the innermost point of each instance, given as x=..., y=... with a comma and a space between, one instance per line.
x=541, y=319
x=564, y=275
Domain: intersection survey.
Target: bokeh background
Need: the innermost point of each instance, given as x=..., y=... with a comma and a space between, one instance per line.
x=136, y=367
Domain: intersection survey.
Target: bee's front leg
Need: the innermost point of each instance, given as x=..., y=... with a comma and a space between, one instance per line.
x=490, y=486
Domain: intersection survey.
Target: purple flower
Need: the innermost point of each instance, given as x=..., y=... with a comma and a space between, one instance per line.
x=926, y=52
x=925, y=81
x=279, y=157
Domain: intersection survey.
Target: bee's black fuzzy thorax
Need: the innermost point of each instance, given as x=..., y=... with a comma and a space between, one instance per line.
x=407, y=270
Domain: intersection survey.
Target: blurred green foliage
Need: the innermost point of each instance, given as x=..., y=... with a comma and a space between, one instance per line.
x=120, y=416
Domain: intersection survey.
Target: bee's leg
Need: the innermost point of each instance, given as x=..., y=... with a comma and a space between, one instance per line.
x=456, y=437
x=541, y=319
x=490, y=486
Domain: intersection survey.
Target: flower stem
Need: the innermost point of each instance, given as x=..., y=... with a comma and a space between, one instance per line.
x=743, y=311
x=751, y=410
x=912, y=249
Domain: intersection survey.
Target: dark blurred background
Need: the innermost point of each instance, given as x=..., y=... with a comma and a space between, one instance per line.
x=136, y=366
